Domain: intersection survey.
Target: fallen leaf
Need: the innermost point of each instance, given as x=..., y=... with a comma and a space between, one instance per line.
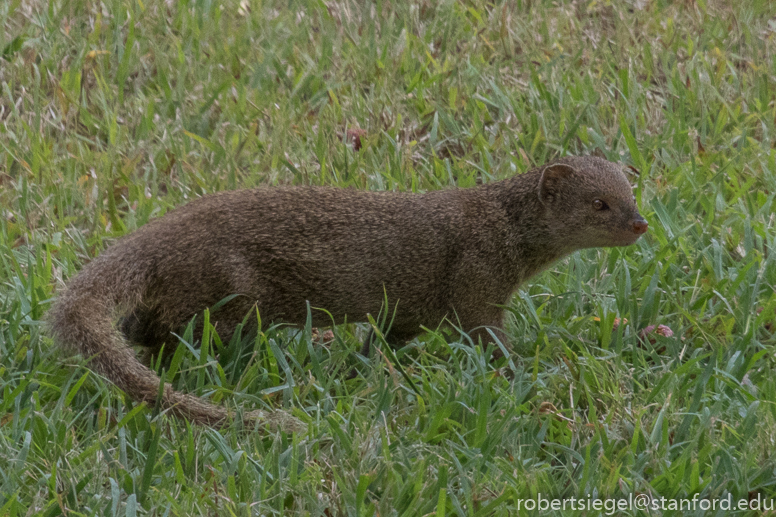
x=354, y=136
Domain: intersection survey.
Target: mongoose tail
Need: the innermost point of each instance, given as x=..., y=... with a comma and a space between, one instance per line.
x=81, y=322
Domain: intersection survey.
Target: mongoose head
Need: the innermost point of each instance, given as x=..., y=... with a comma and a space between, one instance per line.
x=589, y=203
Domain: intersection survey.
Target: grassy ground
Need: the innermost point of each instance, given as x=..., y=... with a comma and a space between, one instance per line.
x=111, y=113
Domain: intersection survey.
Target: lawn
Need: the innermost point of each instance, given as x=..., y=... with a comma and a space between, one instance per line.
x=113, y=112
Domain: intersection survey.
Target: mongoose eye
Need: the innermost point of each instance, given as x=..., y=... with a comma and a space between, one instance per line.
x=600, y=205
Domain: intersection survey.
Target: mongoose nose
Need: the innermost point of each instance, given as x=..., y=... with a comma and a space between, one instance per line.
x=640, y=226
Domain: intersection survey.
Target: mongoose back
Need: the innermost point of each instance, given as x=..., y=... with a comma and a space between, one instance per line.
x=454, y=254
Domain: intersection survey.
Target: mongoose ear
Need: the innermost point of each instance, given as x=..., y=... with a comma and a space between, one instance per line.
x=552, y=177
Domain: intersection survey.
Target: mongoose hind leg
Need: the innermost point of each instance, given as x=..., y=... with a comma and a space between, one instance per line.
x=143, y=328
x=140, y=328
x=150, y=356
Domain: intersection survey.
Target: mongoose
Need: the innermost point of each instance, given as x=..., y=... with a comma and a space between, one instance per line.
x=455, y=254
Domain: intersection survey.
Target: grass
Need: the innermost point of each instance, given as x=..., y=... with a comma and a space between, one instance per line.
x=112, y=113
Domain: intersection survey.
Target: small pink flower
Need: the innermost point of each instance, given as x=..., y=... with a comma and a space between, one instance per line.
x=648, y=332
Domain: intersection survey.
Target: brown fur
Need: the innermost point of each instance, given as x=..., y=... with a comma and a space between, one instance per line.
x=455, y=254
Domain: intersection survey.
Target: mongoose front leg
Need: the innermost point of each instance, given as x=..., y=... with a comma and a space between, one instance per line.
x=366, y=347
x=482, y=333
x=395, y=339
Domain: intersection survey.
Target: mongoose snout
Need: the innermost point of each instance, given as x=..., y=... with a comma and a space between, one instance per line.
x=454, y=255
x=640, y=226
